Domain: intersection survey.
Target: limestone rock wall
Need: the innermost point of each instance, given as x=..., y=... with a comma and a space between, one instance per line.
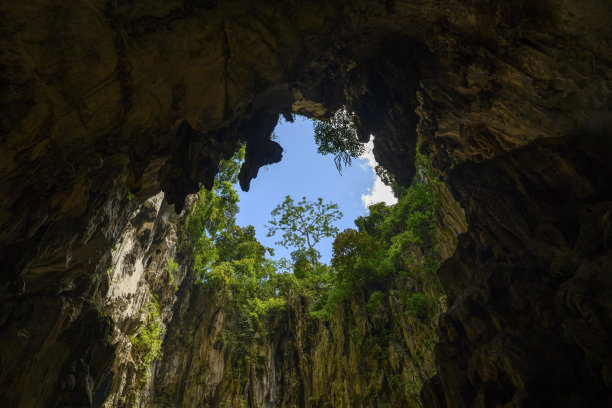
x=78, y=351
x=362, y=357
x=141, y=280
x=528, y=322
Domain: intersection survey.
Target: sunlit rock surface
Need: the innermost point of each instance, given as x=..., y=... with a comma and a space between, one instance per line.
x=140, y=277
x=361, y=357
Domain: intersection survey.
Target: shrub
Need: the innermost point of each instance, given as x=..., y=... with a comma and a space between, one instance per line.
x=269, y=306
x=374, y=301
x=419, y=306
x=147, y=343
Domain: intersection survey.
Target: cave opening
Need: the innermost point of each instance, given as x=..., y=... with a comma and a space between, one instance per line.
x=304, y=172
x=367, y=298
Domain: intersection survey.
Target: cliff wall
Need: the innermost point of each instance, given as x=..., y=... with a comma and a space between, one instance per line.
x=368, y=354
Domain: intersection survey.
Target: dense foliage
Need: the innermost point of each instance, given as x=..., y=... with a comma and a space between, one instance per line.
x=214, y=214
x=227, y=256
x=389, y=239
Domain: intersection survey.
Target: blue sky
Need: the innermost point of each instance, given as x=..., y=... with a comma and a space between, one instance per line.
x=304, y=172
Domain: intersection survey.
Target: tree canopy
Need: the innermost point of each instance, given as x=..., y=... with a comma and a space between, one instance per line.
x=214, y=213
x=338, y=136
x=395, y=239
x=304, y=224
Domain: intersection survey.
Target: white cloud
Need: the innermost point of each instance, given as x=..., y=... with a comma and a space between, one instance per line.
x=379, y=191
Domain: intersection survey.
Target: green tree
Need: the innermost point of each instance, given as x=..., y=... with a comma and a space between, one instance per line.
x=213, y=213
x=397, y=238
x=338, y=136
x=358, y=257
x=411, y=218
x=303, y=225
x=372, y=223
x=228, y=257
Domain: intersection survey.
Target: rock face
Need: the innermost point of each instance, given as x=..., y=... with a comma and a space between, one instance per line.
x=76, y=351
x=367, y=354
x=529, y=316
x=141, y=282
x=106, y=104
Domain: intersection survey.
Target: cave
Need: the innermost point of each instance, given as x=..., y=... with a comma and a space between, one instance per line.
x=115, y=113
